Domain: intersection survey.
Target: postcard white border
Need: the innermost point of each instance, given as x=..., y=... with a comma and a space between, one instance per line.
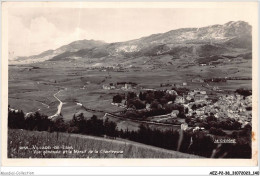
x=251, y=6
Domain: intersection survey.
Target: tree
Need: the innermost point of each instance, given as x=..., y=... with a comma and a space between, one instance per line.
x=244, y=92
x=59, y=125
x=16, y=119
x=159, y=94
x=170, y=97
x=236, y=125
x=211, y=118
x=138, y=104
x=154, y=104
x=97, y=126
x=186, y=110
x=163, y=100
x=141, y=96
x=149, y=97
x=131, y=95
x=110, y=128
x=248, y=127
x=117, y=99
x=182, y=115
x=216, y=131
x=79, y=122
x=194, y=107
x=38, y=122
x=188, y=119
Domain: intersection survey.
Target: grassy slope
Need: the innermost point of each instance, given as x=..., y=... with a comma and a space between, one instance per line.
x=18, y=138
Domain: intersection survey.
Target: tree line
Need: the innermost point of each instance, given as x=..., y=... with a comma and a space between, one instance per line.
x=198, y=142
x=157, y=101
x=78, y=124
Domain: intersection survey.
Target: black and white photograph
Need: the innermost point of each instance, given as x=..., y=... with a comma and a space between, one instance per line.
x=130, y=82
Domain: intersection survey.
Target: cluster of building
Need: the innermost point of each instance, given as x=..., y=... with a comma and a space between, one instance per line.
x=108, y=68
x=197, y=96
x=109, y=87
x=174, y=85
x=198, y=104
x=125, y=86
x=232, y=106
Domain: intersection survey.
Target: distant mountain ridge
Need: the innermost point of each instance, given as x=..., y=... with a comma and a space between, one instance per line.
x=71, y=47
x=191, y=42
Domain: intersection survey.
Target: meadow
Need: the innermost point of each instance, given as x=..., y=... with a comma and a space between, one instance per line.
x=23, y=144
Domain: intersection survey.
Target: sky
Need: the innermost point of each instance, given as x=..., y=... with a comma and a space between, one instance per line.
x=34, y=30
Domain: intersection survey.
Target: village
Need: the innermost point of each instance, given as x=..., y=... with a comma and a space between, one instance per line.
x=188, y=108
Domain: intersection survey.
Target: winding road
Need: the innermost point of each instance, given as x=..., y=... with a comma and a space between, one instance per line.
x=59, y=106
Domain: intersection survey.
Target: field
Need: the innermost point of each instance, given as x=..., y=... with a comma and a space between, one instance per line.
x=80, y=146
x=32, y=87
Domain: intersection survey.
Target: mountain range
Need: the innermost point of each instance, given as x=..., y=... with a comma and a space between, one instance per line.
x=196, y=43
